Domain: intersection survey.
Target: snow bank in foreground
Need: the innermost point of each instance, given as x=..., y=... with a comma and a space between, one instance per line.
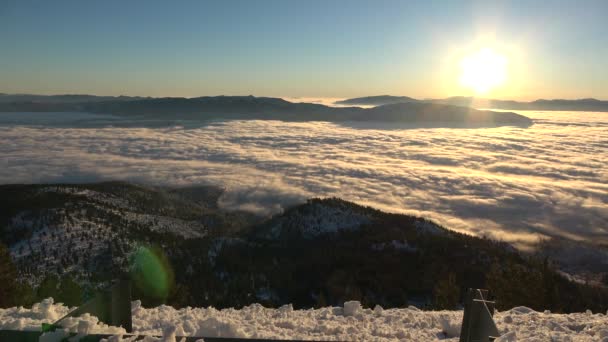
x=351, y=322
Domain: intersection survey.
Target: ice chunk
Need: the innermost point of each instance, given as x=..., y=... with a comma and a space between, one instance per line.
x=352, y=308
x=212, y=327
x=522, y=310
x=450, y=327
x=378, y=310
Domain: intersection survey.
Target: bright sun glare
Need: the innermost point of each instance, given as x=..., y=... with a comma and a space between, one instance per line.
x=483, y=70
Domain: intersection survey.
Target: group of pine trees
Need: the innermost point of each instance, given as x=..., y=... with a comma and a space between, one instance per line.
x=20, y=293
x=327, y=270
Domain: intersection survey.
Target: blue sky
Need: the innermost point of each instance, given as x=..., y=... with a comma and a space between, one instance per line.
x=299, y=48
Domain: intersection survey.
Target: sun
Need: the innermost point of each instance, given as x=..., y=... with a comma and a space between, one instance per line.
x=483, y=70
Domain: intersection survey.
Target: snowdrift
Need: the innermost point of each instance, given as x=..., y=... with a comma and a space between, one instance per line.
x=350, y=322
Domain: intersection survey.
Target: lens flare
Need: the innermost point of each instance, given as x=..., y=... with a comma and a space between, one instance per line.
x=151, y=272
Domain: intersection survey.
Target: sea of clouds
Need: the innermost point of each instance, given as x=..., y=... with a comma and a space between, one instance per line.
x=510, y=183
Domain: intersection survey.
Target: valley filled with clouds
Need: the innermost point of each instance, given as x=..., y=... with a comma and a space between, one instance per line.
x=509, y=183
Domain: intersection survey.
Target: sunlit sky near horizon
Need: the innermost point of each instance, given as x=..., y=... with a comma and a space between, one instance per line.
x=553, y=49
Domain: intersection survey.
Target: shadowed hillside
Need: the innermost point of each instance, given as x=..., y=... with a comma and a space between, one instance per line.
x=322, y=252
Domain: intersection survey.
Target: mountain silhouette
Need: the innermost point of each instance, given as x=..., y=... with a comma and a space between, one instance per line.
x=375, y=100
x=267, y=108
x=588, y=104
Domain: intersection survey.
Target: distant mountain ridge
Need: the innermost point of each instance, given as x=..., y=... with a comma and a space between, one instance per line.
x=267, y=108
x=80, y=101
x=377, y=100
x=587, y=104
x=64, y=98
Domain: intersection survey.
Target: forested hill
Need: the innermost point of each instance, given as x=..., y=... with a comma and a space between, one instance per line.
x=590, y=105
x=267, y=108
x=65, y=240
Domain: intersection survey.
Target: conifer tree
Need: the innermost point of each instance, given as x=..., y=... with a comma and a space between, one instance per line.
x=70, y=292
x=48, y=287
x=8, y=274
x=446, y=292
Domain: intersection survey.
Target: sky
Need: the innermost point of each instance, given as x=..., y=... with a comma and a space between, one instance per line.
x=330, y=48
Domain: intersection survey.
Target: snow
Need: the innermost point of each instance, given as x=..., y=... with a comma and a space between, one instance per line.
x=19, y=318
x=83, y=235
x=521, y=310
x=352, y=308
x=158, y=223
x=508, y=337
x=394, y=244
x=350, y=322
x=55, y=243
x=110, y=203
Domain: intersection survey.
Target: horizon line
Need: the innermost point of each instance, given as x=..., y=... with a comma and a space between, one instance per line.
x=299, y=97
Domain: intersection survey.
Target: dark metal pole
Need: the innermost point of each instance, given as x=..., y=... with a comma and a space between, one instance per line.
x=121, y=305
x=477, y=322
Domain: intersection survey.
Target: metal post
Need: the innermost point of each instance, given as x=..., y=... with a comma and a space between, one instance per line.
x=112, y=306
x=121, y=305
x=477, y=322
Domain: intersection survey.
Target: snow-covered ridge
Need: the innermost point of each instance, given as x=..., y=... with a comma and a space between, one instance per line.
x=125, y=207
x=350, y=322
x=58, y=241
x=317, y=218
x=85, y=232
x=165, y=224
x=64, y=237
x=101, y=197
x=327, y=216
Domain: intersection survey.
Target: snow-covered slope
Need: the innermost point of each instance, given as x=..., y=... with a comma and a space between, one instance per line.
x=348, y=323
x=322, y=252
x=83, y=230
x=316, y=218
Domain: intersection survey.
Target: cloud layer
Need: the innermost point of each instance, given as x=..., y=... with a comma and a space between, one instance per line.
x=510, y=183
